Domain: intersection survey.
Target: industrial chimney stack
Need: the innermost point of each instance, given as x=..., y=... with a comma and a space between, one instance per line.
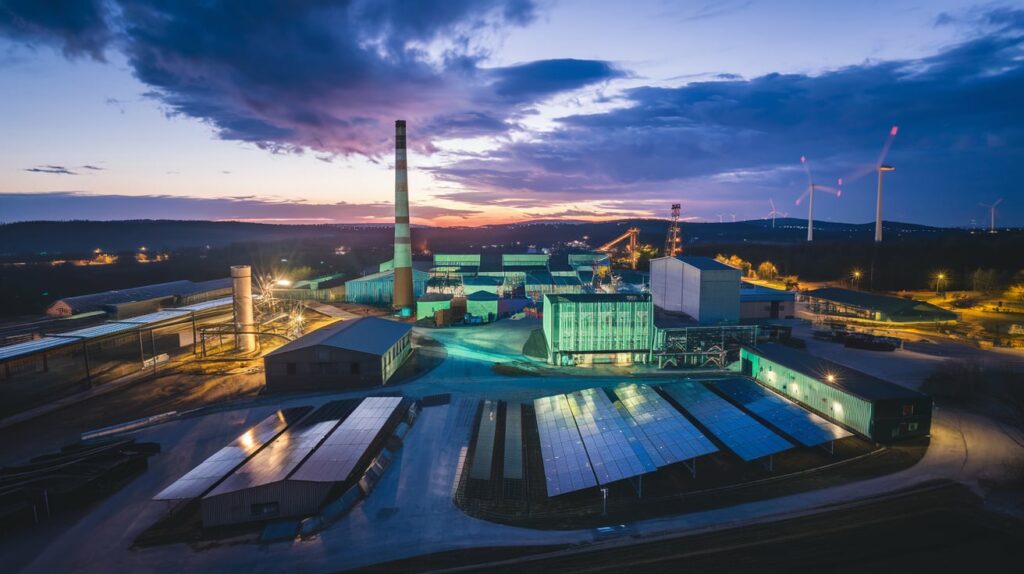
x=403, y=297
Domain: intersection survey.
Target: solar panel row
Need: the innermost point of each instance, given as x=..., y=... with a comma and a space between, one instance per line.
x=614, y=449
x=806, y=427
x=670, y=435
x=566, y=465
x=513, y=468
x=217, y=466
x=336, y=458
x=743, y=435
x=483, y=456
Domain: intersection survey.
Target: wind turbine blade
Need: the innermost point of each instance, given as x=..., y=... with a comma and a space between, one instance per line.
x=772, y=203
x=803, y=195
x=807, y=169
x=998, y=201
x=888, y=144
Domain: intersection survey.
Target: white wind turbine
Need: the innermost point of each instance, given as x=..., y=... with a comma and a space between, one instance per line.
x=992, y=214
x=774, y=212
x=811, y=188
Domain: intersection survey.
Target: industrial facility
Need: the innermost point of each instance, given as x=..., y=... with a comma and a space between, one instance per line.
x=358, y=352
x=705, y=289
x=124, y=303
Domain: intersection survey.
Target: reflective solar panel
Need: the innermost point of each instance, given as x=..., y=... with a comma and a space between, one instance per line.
x=671, y=436
x=483, y=455
x=335, y=459
x=280, y=457
x=743, y=435
x=566, y=466
x=806, y=427
x=97, y=330
x=513, y=468
x=217, y=466
x=29, y=347
x=614, y=449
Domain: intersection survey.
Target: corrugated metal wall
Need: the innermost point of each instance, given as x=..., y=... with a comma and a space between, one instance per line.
x=822, y=398
x=597, y=326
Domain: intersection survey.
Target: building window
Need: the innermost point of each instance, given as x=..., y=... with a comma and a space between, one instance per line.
x=353, y=368
x=264, y=509
x=908, y=410
x=911, y=427
x=289, y=368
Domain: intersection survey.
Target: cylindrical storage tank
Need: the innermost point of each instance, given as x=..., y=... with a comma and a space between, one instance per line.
x=245, y=324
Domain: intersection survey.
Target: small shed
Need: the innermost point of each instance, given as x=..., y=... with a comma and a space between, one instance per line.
x=430, y=303
x=484, y=305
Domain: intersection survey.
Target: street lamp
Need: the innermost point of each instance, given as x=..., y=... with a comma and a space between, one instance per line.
x=878, y=204
x=940, y=279
x=856, y=278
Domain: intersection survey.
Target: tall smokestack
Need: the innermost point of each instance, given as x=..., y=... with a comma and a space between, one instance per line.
x=403, y=298
x=241, y=285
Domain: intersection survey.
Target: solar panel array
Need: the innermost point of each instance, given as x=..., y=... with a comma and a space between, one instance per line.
x=806, y=427
x=566, y=466
x=513, y=468
x=614, y=449
x=210, y=471
x=671, y=437
x=335, y=459
x=277, y=459
x=743, y=435
x=483, y=456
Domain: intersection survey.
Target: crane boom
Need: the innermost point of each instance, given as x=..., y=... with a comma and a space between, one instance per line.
x=632, y=234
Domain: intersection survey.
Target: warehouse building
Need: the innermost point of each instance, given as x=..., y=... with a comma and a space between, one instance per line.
x=838, y=303
x=377, y=288
x=705, y=289
x=582, y=328
x=124, y=303
x=356, y=353
x=759, y=303
x=482, y=306
x=325, y=289
x=871, y=407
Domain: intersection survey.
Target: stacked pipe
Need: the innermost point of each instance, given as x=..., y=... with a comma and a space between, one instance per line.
x=402, y=295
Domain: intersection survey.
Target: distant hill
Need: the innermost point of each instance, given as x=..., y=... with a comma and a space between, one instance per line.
x=66, y=238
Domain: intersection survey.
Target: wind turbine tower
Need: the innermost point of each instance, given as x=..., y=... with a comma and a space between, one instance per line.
x=992, y=214
x=881, y=168
x=811, y=188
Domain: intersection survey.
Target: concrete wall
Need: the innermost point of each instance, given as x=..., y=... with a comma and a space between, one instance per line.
x=666, y=283
x=719, y=294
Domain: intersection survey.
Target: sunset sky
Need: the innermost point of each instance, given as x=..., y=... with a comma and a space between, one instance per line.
x=517, y=109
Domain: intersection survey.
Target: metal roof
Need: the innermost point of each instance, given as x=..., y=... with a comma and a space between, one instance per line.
x=157, y=317
x=753, y=293
x=705, y=263
x=30, y=347
x=855, y=382
x=389, y=275
x=371, y=335
x=482, y=296
x=206, y=305
x=92, y=301
x=887, y=304
x=97, y=330
x=428, y=297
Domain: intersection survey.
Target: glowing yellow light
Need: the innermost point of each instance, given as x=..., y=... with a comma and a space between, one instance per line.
x=284, y=282
x=831, y=378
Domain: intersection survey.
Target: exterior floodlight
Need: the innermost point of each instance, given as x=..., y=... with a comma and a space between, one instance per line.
x=831, y=378
x=283, y=282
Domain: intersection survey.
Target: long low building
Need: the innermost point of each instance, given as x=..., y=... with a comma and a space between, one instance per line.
x=359, y=352
x=861, y=305
x=124, y=303
x=874, y=408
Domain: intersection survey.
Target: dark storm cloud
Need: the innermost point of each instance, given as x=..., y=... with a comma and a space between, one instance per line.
x=39, y=206
x=78, y=27
x=325, y=75
x=959, y=112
